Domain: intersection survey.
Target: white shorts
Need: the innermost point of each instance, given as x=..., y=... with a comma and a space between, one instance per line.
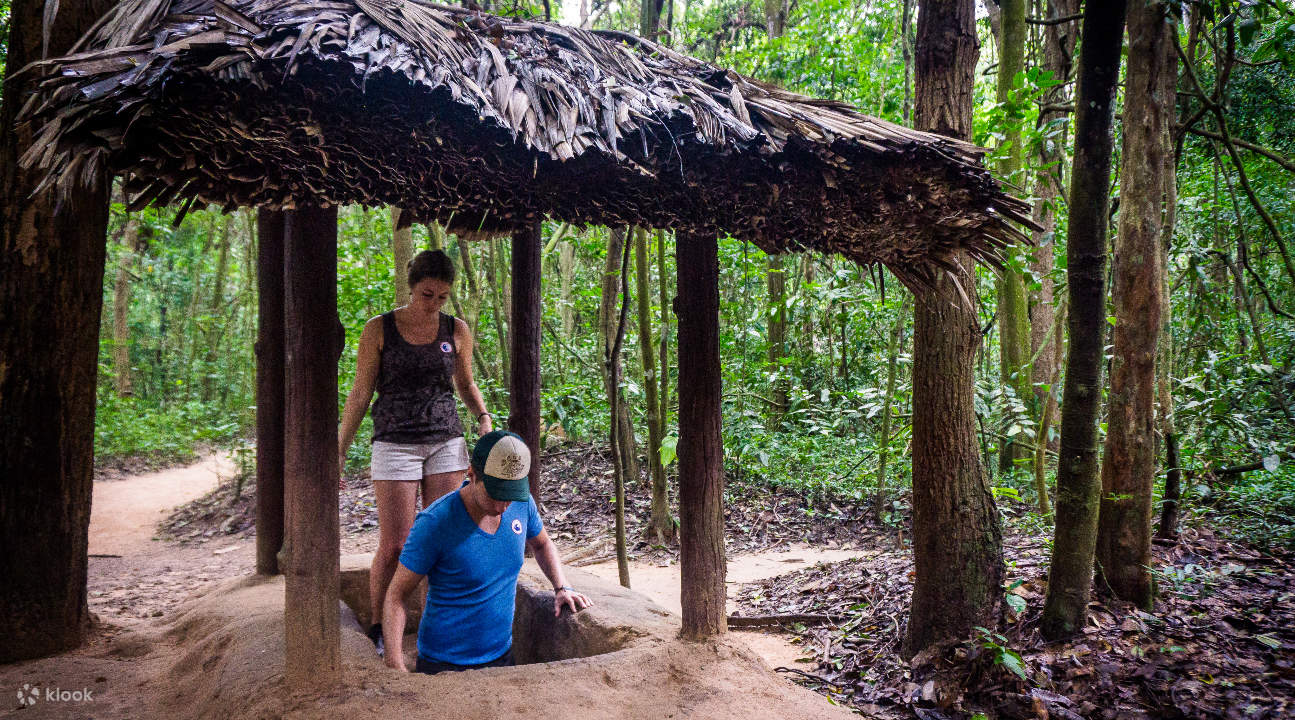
x=414, y=461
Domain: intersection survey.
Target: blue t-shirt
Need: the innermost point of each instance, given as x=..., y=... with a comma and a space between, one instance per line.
x=471, y=579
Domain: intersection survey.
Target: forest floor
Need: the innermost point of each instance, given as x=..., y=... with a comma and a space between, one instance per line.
x=1218, y=644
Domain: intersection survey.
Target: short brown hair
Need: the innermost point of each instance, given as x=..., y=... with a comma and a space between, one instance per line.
x=433, y=264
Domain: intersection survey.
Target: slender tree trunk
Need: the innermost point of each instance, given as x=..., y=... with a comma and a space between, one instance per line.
x=776, y=281
x=892, y=373
x=626, y=455
x=499, y=306
x=664, y=279
x=121, y=308
x=1013, y=317
x=660, y=527
x=52, y=254
x=1078, y=485
x=269, y=392
x=313, y=339
x=612, y=368
x=215, y=317
x=701, y=443
x=567, y=271
x=1129, y=462
x=1049, y=188
x=524, y=382
x=402, y=251
x=957, y=540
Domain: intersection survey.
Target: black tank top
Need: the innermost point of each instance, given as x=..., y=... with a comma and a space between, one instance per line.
x=416, y=387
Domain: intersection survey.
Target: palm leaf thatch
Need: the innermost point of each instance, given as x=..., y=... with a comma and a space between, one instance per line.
x=486, y=123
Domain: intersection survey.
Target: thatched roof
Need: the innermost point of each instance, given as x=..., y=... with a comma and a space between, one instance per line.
x=485, y=123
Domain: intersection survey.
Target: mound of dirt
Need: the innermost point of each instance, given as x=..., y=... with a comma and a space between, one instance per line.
x=221, y=656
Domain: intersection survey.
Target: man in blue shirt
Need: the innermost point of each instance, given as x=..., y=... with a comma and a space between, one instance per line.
x=470, y=545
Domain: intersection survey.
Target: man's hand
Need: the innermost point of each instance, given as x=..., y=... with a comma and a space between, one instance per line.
x=572, y=599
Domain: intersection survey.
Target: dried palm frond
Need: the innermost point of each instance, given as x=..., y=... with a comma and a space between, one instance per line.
x=489, y=123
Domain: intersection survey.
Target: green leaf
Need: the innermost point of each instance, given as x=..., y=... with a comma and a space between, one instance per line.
x=1012, y=661
x=1269, y=640
x=1016, y=603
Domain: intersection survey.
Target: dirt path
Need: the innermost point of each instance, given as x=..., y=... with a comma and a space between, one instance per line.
x=125, y=513
x=661, y=583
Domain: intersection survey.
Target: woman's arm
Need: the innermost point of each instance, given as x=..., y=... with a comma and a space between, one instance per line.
x=463, y=382
x=366, y=379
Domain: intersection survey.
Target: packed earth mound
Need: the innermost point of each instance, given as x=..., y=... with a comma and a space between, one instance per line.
x=220, y=656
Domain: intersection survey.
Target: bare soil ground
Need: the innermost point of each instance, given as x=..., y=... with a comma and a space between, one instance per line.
x=1219, y=643
x=184, y=631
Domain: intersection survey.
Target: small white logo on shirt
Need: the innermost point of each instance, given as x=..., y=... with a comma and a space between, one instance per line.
x=445, y=347
x=517, y=526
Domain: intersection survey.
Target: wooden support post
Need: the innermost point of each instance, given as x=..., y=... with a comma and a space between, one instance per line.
x=313, y=343
x=524, y=384
x=701, y=447
x=269, y=391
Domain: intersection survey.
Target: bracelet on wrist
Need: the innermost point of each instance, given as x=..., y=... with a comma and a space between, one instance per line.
x=485, y=414
x=560, y=588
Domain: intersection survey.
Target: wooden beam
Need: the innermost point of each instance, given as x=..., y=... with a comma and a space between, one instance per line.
x=269, y=391
x=313, y=343
x=524, y=384
x=701, y=447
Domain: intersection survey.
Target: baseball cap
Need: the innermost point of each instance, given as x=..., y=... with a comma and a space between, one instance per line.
x=503, y=461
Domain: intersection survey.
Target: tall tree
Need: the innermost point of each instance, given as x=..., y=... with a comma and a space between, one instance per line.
x=957, y=540
x=775, y=17
x=130, y=242
x=52, y=261
x=1078, y=486
x=402, y=251
x=626, y=455
x=661, y=525
x=1059, y=41
x=1013, y=320
x=1129, y=460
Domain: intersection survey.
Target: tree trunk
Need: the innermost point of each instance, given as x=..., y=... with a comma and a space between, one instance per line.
x=1013, y=318
x=499, y=306
x=567, y=269
x=661, y=525
x=270, y=379
x=52, y=255
x=1058, y=57
x=214, y=318
x=1078, y=486
x=626, y=450
x=664, y=279
x=121, y=308
x=313, y=339
x=777, y=287
x=957, y=541
x=892, y=373
x=1129, y=462
x=524, y=383
x=701, y=444
x=402, y=251
x=612, y=368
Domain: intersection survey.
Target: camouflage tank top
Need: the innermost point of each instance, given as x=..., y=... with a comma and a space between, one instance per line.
x=416, y=387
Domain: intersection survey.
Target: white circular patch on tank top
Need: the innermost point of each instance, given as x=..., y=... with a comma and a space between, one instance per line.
x=517, y=526
x=445, y=347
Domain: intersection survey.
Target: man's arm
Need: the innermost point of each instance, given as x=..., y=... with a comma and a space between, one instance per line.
x=393, y=616
x=546, y=556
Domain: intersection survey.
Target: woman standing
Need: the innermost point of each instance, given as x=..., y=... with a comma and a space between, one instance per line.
x=415, y=357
